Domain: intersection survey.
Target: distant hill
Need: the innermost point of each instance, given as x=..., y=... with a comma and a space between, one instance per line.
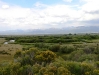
x=80, y=29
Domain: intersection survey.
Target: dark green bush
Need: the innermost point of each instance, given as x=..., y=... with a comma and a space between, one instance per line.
x=74, y=68
x=55, y=48
x=75, y=55
x=89, y=49
x=66, y=49
x=25, y=70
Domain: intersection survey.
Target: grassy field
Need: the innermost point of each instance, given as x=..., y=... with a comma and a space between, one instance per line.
x=8, y=50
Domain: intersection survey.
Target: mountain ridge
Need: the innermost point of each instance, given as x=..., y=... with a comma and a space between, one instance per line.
x=66, y=30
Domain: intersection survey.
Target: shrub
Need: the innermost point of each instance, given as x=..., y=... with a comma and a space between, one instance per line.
x=86, y=67
x=89, y=57
x=6, y=70
x=96, y=72
x=52, y=69
x=63, y=71
x=43, y=71
x=74, y=68
x=97, y=64
x=55, y=48
x=25, y=70
x=66, y=49
x=89, y=49
x=36, y=68
x=14, y=68
x=41, y=45
x=4, y=52
x=75, y=55
x=45, y=56
x=18, y=54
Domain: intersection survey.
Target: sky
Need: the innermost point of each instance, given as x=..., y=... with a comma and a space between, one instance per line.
x=44, y=14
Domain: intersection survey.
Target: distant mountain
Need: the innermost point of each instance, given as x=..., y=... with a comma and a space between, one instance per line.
x=80, y=29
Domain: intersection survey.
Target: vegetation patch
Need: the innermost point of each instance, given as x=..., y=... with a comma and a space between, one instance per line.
x=50, y=55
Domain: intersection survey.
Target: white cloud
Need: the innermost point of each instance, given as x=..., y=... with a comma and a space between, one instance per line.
x=5, y=6
x=91, y=5
x=39, y=4
x=15, y=17
x=67, y=0
x=90, y=9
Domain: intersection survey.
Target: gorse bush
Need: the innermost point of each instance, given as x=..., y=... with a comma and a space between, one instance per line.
x=96, y=72
x=63, y=71
x=36, y=67
x=45, y=56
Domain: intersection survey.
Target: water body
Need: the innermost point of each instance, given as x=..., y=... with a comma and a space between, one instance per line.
x=11, y=41
x=5, y=42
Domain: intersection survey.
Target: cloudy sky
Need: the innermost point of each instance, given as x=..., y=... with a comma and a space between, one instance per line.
x=42, y=14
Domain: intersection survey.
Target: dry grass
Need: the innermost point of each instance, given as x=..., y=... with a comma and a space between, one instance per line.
x=2, y=40
x=8, y=48
x=6, y=57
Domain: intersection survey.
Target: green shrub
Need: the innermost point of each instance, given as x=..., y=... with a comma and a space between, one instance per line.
x=88, y=57
x=43, y=71
x=25, y=70
x=66, y=49
x=95, y=72
x=6, y=70
x=89, y=49
x=75, y=55
x=45, y=56
x=41, y=45
x=18, y=54
x=55, y=48
x=14, y=68
x=74, y=68
x=63, y=71
x=97, y=64
x=86, y=67
x=36, y=68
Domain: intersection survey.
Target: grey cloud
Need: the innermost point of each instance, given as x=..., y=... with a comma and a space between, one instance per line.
x=20, y=19
x=94, y=22
x=2, y=20
x=93, y=12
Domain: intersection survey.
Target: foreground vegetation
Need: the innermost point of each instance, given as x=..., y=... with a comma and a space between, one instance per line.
x=69, y=54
